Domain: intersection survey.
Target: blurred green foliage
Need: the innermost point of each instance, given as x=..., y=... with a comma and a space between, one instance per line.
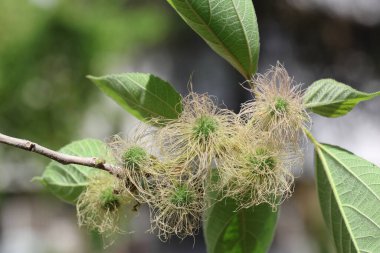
x=47, y=47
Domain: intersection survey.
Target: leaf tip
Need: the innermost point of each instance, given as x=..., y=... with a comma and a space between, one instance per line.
x=39, y=180
x=92, y=78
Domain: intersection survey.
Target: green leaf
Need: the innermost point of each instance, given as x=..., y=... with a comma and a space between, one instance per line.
x=246, y=231
x=330, y=98
x=349, y=195
x=145, y=96
x=229, y=27
x=68, y=181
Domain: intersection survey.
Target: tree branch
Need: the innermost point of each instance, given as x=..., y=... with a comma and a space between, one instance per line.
x=93, y=162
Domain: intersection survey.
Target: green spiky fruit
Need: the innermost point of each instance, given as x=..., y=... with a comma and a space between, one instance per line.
x=109, y=200
x=182, y=196
x=204, y=127
x=262, y=159
x=134, y=156
x=281, y=105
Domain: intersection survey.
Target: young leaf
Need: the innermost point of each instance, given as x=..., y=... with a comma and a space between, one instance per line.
x=145, y=96
x=68, y=181
x=330, y=98
x=349, y=195
x=246, y=231
x=229, y=27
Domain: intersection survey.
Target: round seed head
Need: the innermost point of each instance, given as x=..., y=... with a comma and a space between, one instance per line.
x=98, y=207
x=177, y=207
x=201, y=133
x=136, y=161
x=278, y=107
x=255, y=171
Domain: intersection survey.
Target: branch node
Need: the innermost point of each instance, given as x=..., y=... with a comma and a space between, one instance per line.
x=99, y=162
x=30, y=145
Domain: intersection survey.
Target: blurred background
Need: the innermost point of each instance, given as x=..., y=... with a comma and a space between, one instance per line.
x=47, y=47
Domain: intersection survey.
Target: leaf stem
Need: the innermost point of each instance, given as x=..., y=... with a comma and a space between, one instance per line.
x=311, y=137
x=65, y=159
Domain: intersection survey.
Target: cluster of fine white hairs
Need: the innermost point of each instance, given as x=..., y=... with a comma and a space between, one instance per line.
x=247, y=156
